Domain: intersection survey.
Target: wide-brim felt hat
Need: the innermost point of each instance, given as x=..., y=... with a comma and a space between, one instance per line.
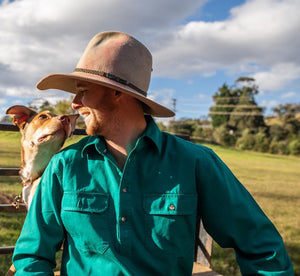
x=115, y=60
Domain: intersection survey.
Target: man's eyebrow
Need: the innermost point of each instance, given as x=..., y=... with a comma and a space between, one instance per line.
x=80, y=86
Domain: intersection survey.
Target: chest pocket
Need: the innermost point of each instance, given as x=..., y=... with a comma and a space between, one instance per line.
x=85, y=202
x=85, y=217
x=170, y=222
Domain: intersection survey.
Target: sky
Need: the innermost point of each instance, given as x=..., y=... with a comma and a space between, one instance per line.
x=197, y=46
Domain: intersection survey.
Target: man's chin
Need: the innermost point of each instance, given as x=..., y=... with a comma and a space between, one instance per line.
x=91, y=130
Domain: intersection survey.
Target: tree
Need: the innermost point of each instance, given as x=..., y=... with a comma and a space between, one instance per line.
x=286, y=111
x=236, y=107
x=182, y=126
x=42, y=105
x=225, y=100
x=287, y=127
x=247, y=114
x=64, y=107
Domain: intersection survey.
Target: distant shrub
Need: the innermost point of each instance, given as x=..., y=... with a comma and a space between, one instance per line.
x=294, y=147
x=204, y=133
x=278, y=132
x=198, y=132
x=224, y=136
x=278, y=147
x=247, y=141
x=262, y=142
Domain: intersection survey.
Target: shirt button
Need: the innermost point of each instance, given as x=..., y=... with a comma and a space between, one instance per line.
x=172, y=207
x=123, y=219
x=125, y=190
x=105, y=151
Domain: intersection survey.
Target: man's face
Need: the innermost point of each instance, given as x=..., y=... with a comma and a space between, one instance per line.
x=97, y=105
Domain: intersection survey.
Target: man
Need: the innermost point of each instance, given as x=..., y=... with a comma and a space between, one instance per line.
x=126, y=198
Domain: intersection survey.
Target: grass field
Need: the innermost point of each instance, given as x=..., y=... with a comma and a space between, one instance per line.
x=273, y=180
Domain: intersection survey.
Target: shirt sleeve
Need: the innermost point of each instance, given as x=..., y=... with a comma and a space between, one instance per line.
x=234, y=220
x=42, y=234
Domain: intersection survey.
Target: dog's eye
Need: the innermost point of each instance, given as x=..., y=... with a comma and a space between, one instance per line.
x=43, y=116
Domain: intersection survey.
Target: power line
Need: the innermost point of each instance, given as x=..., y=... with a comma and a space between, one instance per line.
x=236, y=113
x=193, y=104
x=233, y=98
x=236, y=105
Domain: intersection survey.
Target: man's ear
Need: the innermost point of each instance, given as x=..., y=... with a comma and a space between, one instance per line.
x=20, y=114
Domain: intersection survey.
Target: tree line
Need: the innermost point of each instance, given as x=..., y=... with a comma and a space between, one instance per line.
x=237, y=120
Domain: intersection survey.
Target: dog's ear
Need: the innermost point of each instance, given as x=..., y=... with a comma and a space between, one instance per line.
x=20, y=114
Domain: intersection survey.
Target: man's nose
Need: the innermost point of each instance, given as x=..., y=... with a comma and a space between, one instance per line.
x=76, y=104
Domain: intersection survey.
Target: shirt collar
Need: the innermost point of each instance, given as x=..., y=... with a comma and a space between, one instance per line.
x=96, y=141
x=152, y=133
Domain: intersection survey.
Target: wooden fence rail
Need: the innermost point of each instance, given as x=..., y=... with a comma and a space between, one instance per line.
x=203, y=242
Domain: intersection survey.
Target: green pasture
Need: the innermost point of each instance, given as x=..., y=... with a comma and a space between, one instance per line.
x=273, y=180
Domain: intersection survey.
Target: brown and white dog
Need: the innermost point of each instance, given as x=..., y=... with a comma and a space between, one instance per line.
x=43, y=134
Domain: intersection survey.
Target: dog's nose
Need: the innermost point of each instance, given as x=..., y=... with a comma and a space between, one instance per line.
x=64, y=118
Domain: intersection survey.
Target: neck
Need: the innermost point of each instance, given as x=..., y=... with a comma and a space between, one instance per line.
x=32, y=168
x=125, y=138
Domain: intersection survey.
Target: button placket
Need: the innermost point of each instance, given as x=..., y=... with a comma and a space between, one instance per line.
x=125, y=206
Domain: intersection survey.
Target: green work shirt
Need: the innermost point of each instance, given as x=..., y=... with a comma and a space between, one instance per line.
x=142, y=220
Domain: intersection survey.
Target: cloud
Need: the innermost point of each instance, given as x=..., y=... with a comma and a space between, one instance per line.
x=257, y=35
x=162, y=96
x=39, y=37
x=269, y=104
x=278, y=76
x=258, y=39
x=290, y=95
x=3, y=101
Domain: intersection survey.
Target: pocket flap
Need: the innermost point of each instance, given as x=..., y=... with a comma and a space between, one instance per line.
x=170, y=204
x=85, y=202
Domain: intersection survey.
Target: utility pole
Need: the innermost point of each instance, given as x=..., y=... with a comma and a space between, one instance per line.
x=174, y=106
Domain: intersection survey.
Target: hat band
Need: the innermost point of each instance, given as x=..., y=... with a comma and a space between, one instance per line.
x=111, y=77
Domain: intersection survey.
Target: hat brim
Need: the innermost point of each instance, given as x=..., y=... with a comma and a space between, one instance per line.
x=66, y=82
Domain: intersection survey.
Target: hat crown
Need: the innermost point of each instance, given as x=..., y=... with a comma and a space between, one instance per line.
x=121, y=55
